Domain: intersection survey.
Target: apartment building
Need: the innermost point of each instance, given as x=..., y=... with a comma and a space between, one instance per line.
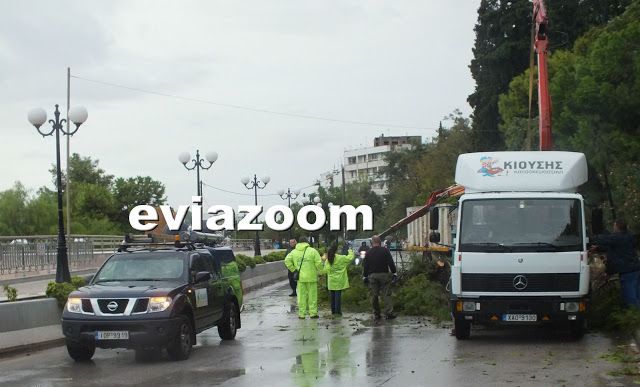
x=367, y=162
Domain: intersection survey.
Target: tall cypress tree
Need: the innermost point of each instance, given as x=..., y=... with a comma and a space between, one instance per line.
x=501, y=52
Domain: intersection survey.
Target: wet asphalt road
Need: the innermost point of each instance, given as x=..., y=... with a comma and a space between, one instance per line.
x=275, y=348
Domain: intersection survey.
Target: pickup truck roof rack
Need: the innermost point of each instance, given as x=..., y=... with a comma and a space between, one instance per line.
x=150, y=241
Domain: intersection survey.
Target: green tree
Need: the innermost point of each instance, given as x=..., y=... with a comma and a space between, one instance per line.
x=13, y=210
x=596, y=91
x=83, y=170
x=426, y=168
x=135, y=191
x=518, y=133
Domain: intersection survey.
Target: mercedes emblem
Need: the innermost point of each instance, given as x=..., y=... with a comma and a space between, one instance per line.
x=520, y=282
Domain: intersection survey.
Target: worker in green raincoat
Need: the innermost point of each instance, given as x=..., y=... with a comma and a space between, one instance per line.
x=306, y=259
x=336, y=269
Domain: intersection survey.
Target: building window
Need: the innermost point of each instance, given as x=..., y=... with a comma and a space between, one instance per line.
x=373, y=156
x=362, y=158
x=352, y=160
x=353, y=173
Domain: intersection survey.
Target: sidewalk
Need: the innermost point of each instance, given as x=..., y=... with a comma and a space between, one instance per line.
x=33, y=284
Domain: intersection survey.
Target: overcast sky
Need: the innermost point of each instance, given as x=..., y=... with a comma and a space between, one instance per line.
x=402, y=65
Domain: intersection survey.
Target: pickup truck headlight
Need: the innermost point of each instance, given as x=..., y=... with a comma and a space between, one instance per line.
x=159, y=304
x=74, y=305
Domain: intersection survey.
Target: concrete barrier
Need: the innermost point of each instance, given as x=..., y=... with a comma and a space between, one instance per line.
x=29, y=323
x=33, y=323
x=263, y=275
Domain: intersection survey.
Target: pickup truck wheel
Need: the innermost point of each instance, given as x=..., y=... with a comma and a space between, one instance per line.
x=463, y=329
x=227, y=329
x=180, y=348
x=80, y=352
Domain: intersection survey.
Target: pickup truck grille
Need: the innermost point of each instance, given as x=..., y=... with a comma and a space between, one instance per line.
x=537, y=282
x=120, y=305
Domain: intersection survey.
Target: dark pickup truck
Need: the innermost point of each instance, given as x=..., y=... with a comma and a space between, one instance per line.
x=149, y=298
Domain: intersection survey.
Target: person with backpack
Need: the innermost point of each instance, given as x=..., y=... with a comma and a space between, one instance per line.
x=305, y=260
x=335, y=267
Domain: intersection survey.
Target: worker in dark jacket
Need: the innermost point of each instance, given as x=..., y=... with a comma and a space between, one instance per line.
x=622, y=260
x=292, y=282
x=379, y=270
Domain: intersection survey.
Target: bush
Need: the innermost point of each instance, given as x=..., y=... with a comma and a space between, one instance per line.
x=258, y=260
x=61, y=291
x=275, y=256
x=241, y=266
x=247, y=260
x=10, y=292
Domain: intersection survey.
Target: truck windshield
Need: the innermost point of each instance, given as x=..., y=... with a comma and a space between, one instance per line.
x=142, y=267
x=521, y=225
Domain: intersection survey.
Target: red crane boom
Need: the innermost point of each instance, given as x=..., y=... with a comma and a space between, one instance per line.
x=544, y=99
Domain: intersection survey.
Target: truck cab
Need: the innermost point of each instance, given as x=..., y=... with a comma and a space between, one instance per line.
x=520, y=252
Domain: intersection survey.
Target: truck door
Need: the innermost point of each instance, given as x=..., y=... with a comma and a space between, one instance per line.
x=216, y=288
x=204, y=307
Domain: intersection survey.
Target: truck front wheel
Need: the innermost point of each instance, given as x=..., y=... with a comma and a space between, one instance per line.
x=576, y=329
x=463, y=329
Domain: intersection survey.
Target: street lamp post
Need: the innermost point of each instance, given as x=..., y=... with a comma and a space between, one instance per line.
x=315, y=200
x=255, y=184
x=197, y=165
x=37, y=117
x=289, y=195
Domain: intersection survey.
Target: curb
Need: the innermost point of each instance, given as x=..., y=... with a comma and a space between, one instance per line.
x=27, y=348
x=40, y=277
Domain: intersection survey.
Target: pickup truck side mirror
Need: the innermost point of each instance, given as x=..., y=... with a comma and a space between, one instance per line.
x=203, y=276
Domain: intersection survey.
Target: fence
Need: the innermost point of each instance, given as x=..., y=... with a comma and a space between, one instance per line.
x=39, y=252
x=248, y=244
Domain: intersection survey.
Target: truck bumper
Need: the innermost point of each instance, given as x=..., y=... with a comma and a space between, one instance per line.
x=483, y=310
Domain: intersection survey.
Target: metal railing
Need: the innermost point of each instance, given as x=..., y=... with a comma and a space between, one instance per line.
x=39, y=252
x=248, y=244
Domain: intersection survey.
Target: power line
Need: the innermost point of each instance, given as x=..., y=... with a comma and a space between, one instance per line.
x=249, y=108
x=247, y=194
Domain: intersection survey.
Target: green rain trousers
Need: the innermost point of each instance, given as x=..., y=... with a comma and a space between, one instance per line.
x=309, y=289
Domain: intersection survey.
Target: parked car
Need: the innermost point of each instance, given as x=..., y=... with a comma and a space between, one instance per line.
x=152, y=297
x=19, y=242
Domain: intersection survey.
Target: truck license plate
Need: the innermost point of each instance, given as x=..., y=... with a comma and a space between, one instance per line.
x=112, y=335
x=519, y=317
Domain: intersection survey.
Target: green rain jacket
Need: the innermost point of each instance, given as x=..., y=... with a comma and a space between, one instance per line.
x=312, y=261
x=337, y=273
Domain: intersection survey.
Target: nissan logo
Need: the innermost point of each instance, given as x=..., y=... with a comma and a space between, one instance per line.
x=112, y=306
x=520, y=282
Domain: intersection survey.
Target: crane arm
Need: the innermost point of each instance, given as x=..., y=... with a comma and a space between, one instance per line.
x=434, y=198
x=544, y=98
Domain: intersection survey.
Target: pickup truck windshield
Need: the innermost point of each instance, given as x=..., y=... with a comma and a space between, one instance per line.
x=521, y=225
x=142, y=267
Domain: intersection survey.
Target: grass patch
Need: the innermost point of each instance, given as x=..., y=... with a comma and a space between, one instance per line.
x=627, y=357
